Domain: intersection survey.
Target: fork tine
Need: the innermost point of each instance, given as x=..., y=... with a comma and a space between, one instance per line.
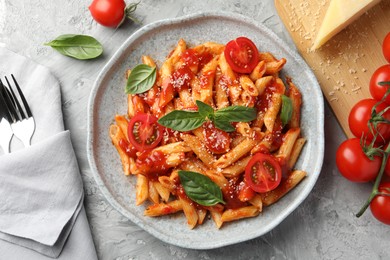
x=9, y=102
x=26, y=106
x=20, y=111
x=4, y=111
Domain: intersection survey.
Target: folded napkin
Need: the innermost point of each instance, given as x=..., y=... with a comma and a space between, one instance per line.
x=41, y=190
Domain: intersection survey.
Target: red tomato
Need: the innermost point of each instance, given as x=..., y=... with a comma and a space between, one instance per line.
x=144, y=132
x=380, y=205
x=110, y=13
x=217, y=141
x=353, y=164
x=359, y=116
x=380, y=75
x=242, y=55
x=387, y=168
x=386, y=47
x=263, y=173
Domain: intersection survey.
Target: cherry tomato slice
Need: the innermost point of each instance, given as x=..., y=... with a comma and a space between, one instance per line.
x=144, y=132
x=263, y=173
x=242, y=55
x=216, y=140
x=380, y=205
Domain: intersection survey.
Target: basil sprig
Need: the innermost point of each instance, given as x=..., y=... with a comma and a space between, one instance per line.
x=200, y=188
x=181, y=120
x=141, y=79
x=81, y=47
x=286, y=111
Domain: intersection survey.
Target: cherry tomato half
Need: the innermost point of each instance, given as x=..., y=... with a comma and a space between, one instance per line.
x=380, y=75
x=359, y=116
x=263, y=173
x=353, y=164
x=386, y=47
x=216, y=140
x=110, y=13
x=380, y=205
x=144, y=132
x=242, y=55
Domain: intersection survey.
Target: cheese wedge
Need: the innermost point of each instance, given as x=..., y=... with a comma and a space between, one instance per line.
x=339, y=15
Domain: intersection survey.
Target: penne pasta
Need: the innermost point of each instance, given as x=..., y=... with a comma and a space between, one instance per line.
x=229, y=150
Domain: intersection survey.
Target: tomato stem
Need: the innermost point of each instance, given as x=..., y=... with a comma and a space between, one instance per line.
x=130, y=10
x=374, y=191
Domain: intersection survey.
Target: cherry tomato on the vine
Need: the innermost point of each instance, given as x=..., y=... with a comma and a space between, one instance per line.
x=382, y=74
x=386, y=47
x=359, y=116
x=242, y=55
x=353, y=164
x=380, y=205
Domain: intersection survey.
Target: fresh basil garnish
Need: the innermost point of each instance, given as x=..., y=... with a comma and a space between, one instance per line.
x=81, y=47
x=200, y=188
x=180, y=120
x=204, y=109
x=141, y=79
x=223, y=123
x=287, y=109
x=237, y=113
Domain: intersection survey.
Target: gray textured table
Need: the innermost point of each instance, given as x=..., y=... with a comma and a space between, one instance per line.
x=323, y=227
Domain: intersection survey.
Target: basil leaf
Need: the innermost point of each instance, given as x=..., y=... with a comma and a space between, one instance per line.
x=221, y=122
x=237, y=113
x=204, y=109
x=286, y=111
x=200, y=188
x=81, y=47
x=180, y=120
x=141, y=79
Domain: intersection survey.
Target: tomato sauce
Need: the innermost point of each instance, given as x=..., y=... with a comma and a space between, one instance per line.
x=181, y=78
x=231, y=195
x=128, y=148
x=216, y=140
x=153, y=164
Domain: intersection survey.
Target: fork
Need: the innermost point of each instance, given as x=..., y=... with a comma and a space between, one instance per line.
x=5, y=127
x=23, y=124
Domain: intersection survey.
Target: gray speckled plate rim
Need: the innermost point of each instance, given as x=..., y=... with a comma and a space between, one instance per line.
x=320, y=125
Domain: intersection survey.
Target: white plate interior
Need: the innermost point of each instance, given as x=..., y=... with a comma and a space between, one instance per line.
x=108, y=98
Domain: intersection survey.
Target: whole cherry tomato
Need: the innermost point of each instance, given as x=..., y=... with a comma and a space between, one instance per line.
x=386, y=47
x=382, y=74
x=380, y=205
x=359, y=116
x=242, y=55
x=111, y=13
x=353, y=163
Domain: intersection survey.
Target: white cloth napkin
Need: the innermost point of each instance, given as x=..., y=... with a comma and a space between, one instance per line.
x=41, y=190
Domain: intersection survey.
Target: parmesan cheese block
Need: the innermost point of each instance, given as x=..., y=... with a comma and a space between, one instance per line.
x=339, y=15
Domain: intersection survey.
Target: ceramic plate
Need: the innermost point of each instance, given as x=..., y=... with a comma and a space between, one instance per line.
x=108, y=98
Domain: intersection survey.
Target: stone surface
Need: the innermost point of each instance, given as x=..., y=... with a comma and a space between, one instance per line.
x=323, y=227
